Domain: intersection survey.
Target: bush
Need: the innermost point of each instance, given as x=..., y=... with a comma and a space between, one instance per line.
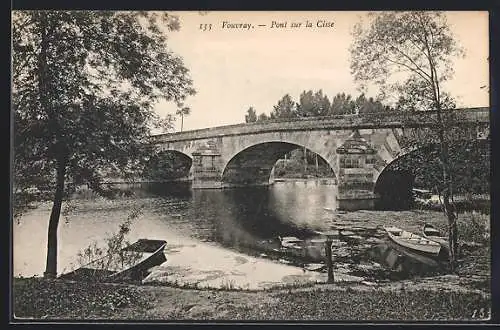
x=474, y=227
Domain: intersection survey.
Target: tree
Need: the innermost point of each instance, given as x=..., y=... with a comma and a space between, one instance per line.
x=410, y=54
x=262, y=117
x=167, y=166
x=286, y=108
x=313, y=104
x=251, y=116
x=321, y=103
x=183, y=111
x=342, y=104
x=360, y=104
x=369, y=105
x=306, y=107
x=84, y=86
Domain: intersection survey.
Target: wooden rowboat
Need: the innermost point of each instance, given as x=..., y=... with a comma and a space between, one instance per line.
x=433, y=234
x=413, y=242
x=291, y=242
x=130, y=262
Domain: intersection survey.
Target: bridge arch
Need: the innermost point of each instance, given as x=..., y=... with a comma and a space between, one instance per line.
x=414, y=168
x=253, y=164
x=169, y=165
x=393, y=184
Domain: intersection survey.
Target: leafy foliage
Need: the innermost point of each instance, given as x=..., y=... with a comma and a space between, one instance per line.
x=251, y=116
x=183, y=111
x=410, y=55
x=407, y=53
x=286, y=108
x=294, y=166
x=317, y=104
x=469, y=164
x=113, y=256
x=262, y=117
x=84, y=86
x=476, y=228
x=167, y=166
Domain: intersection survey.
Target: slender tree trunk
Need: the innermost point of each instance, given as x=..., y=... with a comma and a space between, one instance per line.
x=305, y=160
x=182, y=121
x=329, y=261
x=51, y=266
x=449, y=208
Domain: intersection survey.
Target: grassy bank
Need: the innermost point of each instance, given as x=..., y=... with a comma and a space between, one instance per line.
x=57, y=299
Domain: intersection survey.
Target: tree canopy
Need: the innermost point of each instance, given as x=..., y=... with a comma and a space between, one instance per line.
x=84, y=84
x=317, y=104
x=251, y=116
x=409, y=55
x=83, y=88
x=286, y=108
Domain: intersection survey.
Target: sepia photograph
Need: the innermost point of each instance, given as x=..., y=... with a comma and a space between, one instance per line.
x=230, y=166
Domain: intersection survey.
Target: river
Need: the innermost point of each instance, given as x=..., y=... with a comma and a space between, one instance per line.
x=248, y=220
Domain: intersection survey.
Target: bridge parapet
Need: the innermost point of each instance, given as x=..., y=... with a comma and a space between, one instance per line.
x=364, y=121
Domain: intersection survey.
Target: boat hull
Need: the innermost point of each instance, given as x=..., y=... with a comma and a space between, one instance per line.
x=432, y=234
x=418, y=256
x=416, y=244
x=148, y=253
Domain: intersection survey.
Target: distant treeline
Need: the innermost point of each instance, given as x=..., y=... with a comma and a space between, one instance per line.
x=317, y=104
x=301, y=163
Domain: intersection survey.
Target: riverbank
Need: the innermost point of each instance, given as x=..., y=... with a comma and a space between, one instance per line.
x=465, y=296
x=418, y=299
x=202, y=265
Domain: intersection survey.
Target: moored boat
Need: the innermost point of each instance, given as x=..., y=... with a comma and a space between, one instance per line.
x=433, y=234
x=130, y=262
x=413, y=242
x=291, y=242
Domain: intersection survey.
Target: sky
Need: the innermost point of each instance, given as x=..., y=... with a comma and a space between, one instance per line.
x=235, y=68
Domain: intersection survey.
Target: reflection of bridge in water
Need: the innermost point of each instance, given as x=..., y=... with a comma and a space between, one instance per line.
x=357, y=148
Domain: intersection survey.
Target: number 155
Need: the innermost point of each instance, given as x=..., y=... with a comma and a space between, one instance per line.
x=205, y=27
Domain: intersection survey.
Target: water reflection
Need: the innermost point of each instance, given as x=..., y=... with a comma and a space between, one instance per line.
x=252, y=217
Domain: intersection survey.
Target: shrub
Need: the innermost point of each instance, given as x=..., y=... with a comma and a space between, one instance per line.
x=474, y=227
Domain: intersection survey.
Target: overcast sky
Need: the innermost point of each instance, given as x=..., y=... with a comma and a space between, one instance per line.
x=234, y=69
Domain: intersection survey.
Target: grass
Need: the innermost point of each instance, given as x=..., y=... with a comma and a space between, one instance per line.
x=41, y=298
x=376, y=305
x=56, y=299
x=474, y=227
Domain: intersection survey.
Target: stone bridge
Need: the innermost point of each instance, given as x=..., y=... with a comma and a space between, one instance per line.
x=357, y=147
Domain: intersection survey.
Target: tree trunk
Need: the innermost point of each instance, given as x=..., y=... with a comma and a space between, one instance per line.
x=449, y=208
x=452, y=230
x=182, y=122
x=51, y=266
x=329, y=261
x=305, y=161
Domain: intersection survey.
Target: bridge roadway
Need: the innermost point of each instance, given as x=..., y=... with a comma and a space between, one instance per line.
x=357, y=147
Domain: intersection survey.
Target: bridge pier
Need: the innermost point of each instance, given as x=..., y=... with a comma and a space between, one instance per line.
x=353, y=204
x=355, y=164
x=206, y=168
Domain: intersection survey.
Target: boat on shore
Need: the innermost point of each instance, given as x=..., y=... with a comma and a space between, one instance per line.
x=433, y=234
x=413, y=242
x=291, y=242
x=131, y=262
